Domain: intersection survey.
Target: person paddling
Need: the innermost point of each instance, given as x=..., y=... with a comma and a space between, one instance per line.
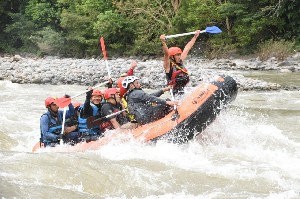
x=51, y=122
x=176, y=73
x=112, y=105
x=145, y=107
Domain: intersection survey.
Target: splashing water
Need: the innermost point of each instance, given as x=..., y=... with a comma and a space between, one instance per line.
x=244, y=153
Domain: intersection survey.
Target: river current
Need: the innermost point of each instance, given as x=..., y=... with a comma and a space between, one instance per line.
x=252, y=150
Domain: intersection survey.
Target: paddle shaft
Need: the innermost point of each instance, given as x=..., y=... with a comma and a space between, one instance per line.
x=211, y=30
x=183, y=34
x=88, y=90
x=173, y=98
x=96, y=120
x=175, y=107
x=111, y=115
x=107, y=68
x=63, y=124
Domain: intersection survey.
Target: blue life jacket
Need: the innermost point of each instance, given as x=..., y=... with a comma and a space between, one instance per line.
x=54, y=128
x=82, y=124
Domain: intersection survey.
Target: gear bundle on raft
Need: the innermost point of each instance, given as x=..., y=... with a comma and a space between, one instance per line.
x=197, y=110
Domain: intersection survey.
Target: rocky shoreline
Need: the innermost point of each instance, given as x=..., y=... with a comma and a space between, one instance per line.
x=58, y=71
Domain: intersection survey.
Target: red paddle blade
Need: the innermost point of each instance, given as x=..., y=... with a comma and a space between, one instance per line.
x=62, y=102
x=103, y=47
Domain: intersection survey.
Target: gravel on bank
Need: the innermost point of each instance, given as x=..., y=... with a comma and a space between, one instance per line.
x=57, y=71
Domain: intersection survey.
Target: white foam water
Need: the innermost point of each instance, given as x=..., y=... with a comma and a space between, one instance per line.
x=244, y=153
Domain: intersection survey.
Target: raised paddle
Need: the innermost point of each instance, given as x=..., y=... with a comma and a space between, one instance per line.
x=64, y=101
x=211, y=30
x=97, y=119
x=104, y=55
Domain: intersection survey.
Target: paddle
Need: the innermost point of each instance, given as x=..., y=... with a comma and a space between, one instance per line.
x=64, y=101
x=97, y=119
x=104, y=55
x=212, y=30
x=63, y=124
x=176, y=114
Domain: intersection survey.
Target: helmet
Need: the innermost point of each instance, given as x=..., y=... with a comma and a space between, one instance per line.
x=96, y=92
x=174, y=50
x=128, y=80
x=122, y=90
x=109, y=92
x=120, y=81
x=49, y=101
x=76, y=104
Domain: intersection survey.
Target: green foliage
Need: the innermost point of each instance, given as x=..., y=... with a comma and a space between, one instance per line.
x=194, y=15
x=217, y=47
x=48, y=41
x=20, y=32
x=119, y=32
x=289, y=13
x=149, y=19
x=73, y=27
x=279, y=49
x=77, y=22
x=43, y=12
x=9, y=9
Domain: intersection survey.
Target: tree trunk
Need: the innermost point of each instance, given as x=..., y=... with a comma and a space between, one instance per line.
x=175, y=4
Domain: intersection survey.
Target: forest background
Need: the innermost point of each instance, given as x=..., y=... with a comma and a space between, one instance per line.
x=71, y=28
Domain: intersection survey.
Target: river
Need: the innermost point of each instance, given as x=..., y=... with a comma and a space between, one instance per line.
x=251, y=150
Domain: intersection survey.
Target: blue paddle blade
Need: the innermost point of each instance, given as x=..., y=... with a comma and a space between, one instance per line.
x=213, y=30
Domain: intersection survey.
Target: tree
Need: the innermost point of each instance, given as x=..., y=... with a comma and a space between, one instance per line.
x=152, y=18
x=9, y=11
x=78, y=24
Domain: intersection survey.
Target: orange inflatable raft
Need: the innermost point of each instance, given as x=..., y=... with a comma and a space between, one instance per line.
x=197, y=110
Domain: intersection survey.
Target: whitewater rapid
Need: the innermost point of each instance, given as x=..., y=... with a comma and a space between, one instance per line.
x=251, y=150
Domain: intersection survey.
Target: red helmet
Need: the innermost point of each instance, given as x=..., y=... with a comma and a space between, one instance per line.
x=76, y=104
x=174, y=50
x=109, y=92
x=49, y=101
x=122, y=90
x=96, y=92
x=120, y=82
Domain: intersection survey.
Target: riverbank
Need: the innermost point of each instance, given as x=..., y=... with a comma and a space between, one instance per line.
x=58, y=71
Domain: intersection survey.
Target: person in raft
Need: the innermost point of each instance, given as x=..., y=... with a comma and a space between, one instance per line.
x=112, y=105
x=51, y=122
x=90, y=107
x=176, y=73
x=145, y=107
x=130, y=72
x=71, y=126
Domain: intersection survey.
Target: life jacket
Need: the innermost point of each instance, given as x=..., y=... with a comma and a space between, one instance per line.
x=82, y=124
x=130, y=116
x=178, y=75
x=54, y=128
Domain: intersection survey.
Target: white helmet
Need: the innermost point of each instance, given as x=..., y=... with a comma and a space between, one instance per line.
x=128, y=80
